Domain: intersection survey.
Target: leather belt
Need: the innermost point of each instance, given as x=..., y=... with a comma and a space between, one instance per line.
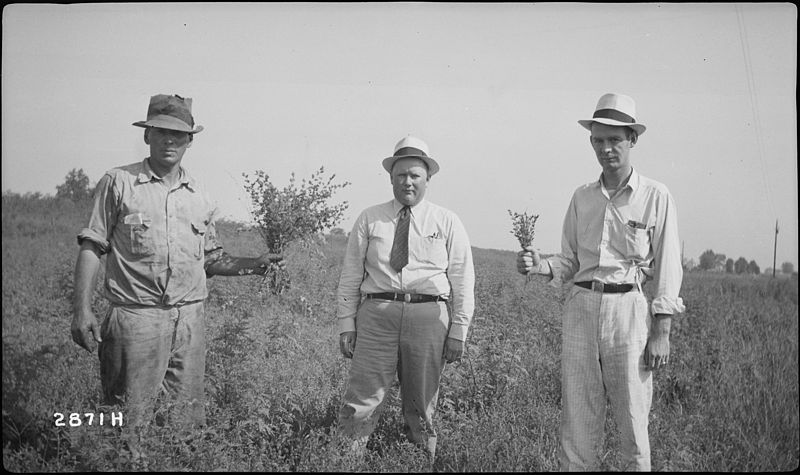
x=407, y=298
x=606, y=288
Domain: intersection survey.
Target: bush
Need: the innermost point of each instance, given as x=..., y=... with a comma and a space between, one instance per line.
x=297, y=212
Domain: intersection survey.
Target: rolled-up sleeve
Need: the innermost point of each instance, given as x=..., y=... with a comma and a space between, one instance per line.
x=104, y=216
x=348, y=294
x=667, y=266
x=212, y=245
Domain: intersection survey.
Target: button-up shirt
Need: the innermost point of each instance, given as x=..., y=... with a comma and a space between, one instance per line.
x=629, y=237
x=439, y=261
x=155, y=238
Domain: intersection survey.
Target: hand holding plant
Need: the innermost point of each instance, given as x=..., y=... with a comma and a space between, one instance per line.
x=297, y=212
x=523, y=228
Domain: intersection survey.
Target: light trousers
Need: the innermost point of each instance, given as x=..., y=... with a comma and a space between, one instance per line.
x=400, y=338
x=603, y=342
x=147, y=350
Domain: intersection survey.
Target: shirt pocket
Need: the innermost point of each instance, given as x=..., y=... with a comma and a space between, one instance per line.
x=637, y=240
x=141, y=236
x=433, y=251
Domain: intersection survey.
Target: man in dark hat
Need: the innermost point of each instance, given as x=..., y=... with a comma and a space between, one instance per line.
x=619, y=231
x=405, y=258
x=154, y=223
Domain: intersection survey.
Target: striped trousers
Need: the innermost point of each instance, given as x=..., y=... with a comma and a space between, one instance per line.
x=603, y=342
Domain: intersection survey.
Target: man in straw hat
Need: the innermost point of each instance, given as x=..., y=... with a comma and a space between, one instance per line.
x=405, y=259
x=154, y=223
x=619, y=231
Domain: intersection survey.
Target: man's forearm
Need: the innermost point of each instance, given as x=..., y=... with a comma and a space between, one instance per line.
x=232, y=265
x=463, y=304
x=86, y=268
x=544, y=268
x=661, y=325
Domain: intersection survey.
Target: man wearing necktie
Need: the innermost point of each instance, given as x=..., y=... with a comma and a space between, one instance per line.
x=405, y=259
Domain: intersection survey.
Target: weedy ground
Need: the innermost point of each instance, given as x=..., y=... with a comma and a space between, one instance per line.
x=275, y=378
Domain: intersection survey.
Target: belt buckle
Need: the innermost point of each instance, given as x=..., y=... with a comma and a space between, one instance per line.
x=407, y=298
x=597, y=286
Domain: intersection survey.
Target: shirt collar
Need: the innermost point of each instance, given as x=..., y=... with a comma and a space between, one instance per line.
x=146, y=174
x=633, y=181
x=397, y=206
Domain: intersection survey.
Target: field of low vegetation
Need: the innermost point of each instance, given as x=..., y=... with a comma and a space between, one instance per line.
x=275, y=377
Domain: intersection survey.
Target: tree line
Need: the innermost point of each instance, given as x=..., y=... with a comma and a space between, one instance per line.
x=711, y=261
x=271, y=203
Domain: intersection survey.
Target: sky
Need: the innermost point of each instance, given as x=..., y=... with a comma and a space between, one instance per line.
x=496, y=91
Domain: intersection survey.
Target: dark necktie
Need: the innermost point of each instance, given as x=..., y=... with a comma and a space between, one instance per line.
x=399, y=257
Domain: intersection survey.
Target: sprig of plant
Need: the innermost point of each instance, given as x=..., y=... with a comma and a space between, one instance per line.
x=524, y=225
x=297, y=212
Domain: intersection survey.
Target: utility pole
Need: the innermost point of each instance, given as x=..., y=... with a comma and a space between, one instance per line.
x=683, y=248
x=775, y=249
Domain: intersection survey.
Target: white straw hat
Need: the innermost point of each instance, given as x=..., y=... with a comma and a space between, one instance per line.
x=615, y=109
x=411, y=146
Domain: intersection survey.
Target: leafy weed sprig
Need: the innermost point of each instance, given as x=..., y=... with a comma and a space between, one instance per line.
x=524, y=225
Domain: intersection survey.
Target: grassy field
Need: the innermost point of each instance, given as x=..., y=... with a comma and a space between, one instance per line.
x=275, y=378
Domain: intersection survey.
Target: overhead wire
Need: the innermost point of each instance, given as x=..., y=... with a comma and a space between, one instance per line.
x=753, y=96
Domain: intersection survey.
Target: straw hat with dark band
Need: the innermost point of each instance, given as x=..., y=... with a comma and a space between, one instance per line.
x=411, y=147
x=615, y=109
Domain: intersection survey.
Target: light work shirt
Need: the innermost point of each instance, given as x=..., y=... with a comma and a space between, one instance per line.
x=157, y=240
x=625, y=239
x=439, y=262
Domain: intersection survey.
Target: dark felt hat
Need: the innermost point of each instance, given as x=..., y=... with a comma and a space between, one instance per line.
x=170, y=112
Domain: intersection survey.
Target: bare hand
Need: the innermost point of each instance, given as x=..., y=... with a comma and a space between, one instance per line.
x=656, y=353
x=85, y=330
x=453, y=350
x=269, y=260
x=527, y=260
x=347, y=344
